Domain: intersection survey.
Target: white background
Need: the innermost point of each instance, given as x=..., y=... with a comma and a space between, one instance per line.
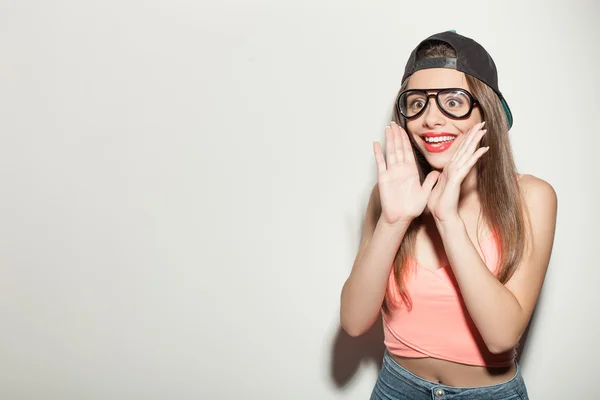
x=182, y=186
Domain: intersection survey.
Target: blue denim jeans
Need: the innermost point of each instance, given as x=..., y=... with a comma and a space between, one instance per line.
x=397, y=383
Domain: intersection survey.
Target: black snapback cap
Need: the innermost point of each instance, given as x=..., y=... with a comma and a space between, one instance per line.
x=471, y=58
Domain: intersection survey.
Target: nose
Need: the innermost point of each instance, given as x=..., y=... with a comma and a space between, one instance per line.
x=432, y=116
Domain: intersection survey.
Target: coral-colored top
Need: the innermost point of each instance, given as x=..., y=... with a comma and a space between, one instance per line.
x=439, y=325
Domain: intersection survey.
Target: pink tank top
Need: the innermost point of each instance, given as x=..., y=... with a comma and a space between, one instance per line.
x=438, y=325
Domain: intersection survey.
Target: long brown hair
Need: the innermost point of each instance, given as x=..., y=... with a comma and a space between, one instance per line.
x=500, y=197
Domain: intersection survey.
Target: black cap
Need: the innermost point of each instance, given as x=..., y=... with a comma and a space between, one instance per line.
x=471, y=58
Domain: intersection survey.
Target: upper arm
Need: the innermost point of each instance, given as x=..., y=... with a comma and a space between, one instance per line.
x=370, y=221
x=540, y=217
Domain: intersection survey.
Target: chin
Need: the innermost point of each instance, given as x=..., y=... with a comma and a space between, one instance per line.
x=438, y=161
x=437, y=167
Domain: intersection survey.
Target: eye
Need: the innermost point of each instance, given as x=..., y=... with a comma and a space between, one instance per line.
x=453, y=102
x=416, y=104
x=415, y=101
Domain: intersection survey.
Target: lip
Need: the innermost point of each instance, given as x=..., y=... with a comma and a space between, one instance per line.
x=437, y=148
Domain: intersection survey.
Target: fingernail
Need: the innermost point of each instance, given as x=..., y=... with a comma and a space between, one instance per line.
x=482, y=124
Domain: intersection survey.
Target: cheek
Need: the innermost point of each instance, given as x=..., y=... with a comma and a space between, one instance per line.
x=465, y=126
x=474, y=119
x=411, y=127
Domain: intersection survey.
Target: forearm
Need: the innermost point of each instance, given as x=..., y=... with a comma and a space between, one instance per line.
x=364, y=290
x=494, y=309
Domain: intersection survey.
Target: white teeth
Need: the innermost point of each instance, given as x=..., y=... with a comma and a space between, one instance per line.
x=438, y=139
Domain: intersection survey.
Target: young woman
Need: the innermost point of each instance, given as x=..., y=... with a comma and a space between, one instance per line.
x=456, y=243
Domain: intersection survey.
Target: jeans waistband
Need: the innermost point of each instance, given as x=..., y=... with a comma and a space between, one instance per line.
x=515, y=383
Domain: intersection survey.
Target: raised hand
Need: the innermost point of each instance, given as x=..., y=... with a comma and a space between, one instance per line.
x=402, y=196
x=443, y=201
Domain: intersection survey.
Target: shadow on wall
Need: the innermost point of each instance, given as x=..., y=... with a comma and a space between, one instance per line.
x=349, y=352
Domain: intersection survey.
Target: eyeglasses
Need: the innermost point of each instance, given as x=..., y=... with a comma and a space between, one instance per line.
x=454, y=102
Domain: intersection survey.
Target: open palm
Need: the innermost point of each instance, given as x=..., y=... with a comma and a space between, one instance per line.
x=443, y=201
x=402, y=196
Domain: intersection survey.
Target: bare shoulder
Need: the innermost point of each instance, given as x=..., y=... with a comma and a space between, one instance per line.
x=537, y=191
x=541, y=207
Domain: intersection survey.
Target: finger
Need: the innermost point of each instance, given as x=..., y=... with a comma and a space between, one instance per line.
x=466, y=167
x=409, y=155
x=390, y=151
x=397, y=143
x=430, y=180
x=461, y=150
x=471, y=147
x=379, y=158
x=477, y=129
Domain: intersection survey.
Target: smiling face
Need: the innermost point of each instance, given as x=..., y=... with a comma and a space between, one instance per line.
x=436, y=134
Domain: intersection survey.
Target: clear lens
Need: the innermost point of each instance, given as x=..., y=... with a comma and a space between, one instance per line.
x=455, y=102
x=412, y=103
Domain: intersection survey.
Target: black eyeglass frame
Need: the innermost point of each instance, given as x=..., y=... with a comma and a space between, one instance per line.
x=473, y=101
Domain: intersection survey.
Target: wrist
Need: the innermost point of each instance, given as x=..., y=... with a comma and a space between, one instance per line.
x=399, y=226
x=450, y=226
